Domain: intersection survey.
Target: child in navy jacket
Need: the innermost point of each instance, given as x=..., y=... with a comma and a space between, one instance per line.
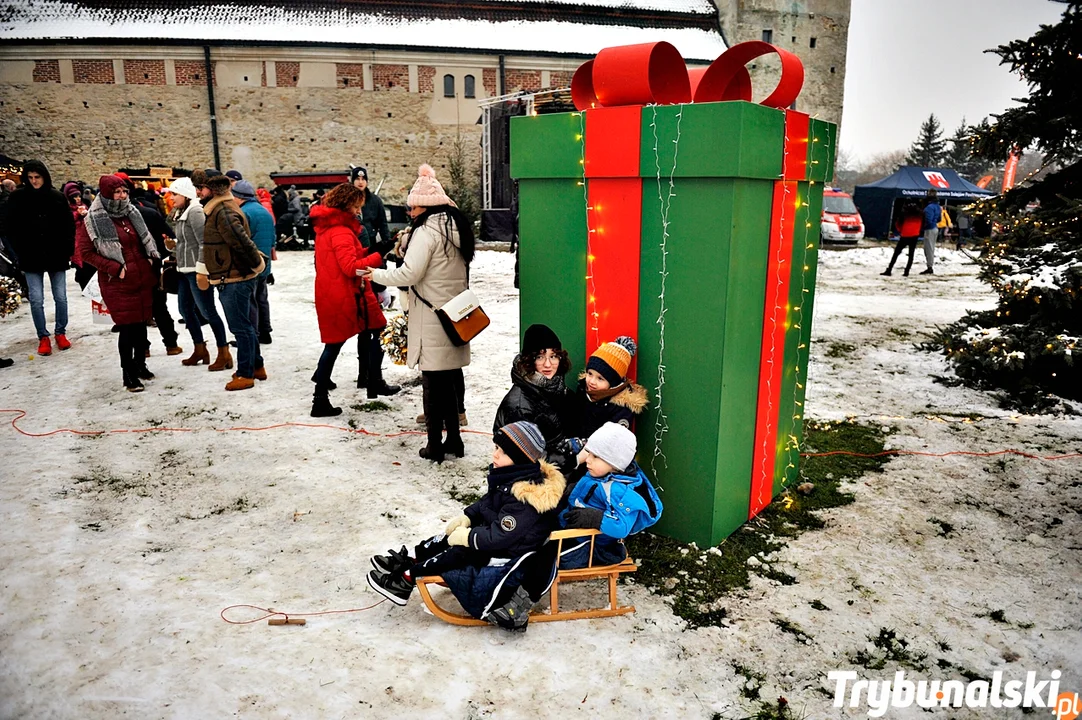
x=481, y=552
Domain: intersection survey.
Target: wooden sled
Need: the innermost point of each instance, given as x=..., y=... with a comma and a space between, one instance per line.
x=609, y=572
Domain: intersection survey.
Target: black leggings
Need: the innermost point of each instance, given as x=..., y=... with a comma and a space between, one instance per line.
x=326, y=366
x=912, y=243
x=441, y=394
x=131, y=342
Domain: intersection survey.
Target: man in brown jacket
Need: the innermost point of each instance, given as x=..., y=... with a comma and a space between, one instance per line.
x=231, y=263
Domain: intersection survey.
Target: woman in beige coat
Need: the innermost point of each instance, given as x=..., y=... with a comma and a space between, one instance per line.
x=436, y=269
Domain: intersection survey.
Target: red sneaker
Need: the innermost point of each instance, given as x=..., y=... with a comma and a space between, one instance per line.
x=62, y=342
x=45, y=347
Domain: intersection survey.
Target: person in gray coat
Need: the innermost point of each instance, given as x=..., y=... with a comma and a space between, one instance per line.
x=194, y=304
x=436, y=268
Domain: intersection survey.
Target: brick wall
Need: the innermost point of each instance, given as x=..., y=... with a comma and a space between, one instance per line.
x=350, y=75
x=385, y=77
x=47, y=71
x=190, y=72
x=144, y=72
x=560, y=79
x=426, y=78
x=523, y=80
x=286, y=73
x=489, y=80
x=93, y=71
x=389, y=131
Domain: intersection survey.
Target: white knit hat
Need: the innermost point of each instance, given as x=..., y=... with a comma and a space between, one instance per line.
x=183, y=186
x=614, y=444
x=427, y=191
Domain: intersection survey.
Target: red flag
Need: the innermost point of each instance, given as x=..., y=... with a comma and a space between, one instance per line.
x=1012, y=167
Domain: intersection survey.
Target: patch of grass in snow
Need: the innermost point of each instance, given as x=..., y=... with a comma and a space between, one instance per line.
x=753, y=681
x=900, y=333
x=790, y=627
x=840, y=350
x=888, y=647
x=466, y=497
x=371, y=406
x=241, y=504
x=945, y=528
x=818, y=605
x=697, y=580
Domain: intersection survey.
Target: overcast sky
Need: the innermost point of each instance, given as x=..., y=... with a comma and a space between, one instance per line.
x=910, y=58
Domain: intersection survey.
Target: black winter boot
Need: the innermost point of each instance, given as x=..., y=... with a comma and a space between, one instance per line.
x=395, y=561
x=321, y=406
x=131, y=382
x=515, y=615
x=393, y=586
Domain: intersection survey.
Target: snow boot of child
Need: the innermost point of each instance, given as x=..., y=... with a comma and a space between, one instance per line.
x=199, y=355
x=131, y=381
x=515, y=615
x=395, y=561
x=224, y=360
x=393, y=586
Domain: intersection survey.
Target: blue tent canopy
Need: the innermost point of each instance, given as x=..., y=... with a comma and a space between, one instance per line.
x=876, y=200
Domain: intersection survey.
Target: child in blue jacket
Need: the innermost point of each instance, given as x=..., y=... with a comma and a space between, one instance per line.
x=614, y=496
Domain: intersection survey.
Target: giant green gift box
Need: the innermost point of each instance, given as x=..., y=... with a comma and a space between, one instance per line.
x=738, y=269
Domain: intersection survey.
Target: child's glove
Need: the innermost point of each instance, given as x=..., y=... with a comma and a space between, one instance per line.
x=460, y=536
x=460, y=521
x=575, y=445
x=584, y=518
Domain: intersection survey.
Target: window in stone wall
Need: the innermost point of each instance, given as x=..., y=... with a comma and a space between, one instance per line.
x=471, y=86
x=811, y=42
x=768, y=36
x=448, y=85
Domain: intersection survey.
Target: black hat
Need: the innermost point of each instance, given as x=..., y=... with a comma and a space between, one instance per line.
x=538, y=338
x=234, y=175
x=356, y=171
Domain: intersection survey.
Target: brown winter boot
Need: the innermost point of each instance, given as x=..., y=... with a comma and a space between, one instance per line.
x=224, y=361
x=174, y=350
x=199, y=355
x=240, y=383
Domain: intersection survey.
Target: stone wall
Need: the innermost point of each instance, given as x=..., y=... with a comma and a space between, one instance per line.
x=817, y=31
x=82, y=131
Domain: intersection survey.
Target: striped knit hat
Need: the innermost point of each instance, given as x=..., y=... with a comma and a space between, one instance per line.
x=522, y=441
x=613, y=359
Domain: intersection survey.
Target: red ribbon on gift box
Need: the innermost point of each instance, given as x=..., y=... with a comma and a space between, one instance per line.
x=656, y=73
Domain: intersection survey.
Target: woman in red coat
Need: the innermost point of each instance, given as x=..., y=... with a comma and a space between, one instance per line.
x=114, y=239
x=345, y=303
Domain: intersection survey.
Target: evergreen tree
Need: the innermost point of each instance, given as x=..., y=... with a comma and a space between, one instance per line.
x=464, y=186
x=1026, y=345
x=960, y=155
x=930, y=148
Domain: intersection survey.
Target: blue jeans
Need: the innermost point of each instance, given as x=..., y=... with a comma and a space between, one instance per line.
x=36, y=283
x=237, y=299
x=190, y=297
x=261, y=307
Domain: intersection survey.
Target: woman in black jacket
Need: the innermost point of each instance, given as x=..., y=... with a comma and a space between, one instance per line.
x=41, y=229
x=538, y=393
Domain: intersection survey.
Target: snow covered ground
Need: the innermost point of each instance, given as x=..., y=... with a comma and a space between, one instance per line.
x=119, y=551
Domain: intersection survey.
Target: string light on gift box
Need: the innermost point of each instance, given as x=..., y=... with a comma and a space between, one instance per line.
x=591, y=294
x=661, y=423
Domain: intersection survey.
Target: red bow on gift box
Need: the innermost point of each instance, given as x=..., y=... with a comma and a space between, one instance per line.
x=656, y=73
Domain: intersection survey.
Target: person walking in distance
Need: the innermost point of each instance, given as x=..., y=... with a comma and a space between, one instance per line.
x=41, y=230
x=232, y=263
x=909, y=228
x=932, y=215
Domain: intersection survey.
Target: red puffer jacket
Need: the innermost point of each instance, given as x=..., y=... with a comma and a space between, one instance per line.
x=345, y=304
x=127, y=299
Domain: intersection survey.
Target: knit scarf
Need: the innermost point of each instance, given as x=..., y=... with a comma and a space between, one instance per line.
x=599, y=395
x=102, y=231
